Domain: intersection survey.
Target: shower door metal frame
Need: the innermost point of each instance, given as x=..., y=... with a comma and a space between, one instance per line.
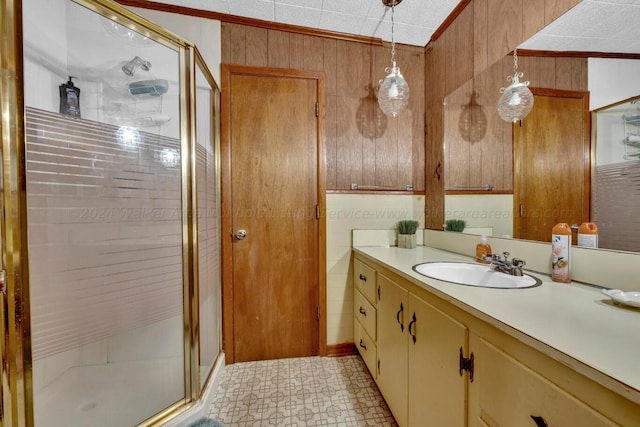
x=16, y=393
x=17, y=398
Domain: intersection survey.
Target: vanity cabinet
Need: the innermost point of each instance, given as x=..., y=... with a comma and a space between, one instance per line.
x=418, y=367
x=507, y=392
x=439, y=364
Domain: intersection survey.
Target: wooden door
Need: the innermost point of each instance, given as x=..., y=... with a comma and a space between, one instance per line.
x=393, y=319
x=272, y=303
x=552, y=164
x=437, y=393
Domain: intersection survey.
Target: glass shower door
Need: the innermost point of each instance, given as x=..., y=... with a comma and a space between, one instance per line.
x=105, y=225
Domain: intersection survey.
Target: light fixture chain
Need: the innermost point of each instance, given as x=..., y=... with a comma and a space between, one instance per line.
x=515, y=61
x=393, y=41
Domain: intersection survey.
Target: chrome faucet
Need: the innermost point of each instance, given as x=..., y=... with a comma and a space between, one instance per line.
x=513, y=267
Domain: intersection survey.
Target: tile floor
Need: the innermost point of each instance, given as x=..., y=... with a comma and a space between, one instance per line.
x=309, y=391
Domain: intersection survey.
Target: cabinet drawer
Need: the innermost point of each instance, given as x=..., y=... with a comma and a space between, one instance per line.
x=365, y=312
x=511, y=394
x=366, y=346
x=364, y=280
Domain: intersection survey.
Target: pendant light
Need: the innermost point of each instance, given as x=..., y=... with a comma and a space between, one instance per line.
x=393, y=95
x=516, y=100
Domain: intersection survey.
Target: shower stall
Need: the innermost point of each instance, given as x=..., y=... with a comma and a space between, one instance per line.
x=111, y=303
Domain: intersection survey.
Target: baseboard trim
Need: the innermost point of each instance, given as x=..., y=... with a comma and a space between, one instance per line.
x=344, y=349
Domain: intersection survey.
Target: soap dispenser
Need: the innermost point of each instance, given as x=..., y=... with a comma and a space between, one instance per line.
x=483, y=249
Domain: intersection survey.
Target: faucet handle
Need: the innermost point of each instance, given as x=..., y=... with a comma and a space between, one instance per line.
x=517, y=262
x=506, y=256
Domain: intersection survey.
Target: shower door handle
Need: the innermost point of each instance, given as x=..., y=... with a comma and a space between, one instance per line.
x=241, y=234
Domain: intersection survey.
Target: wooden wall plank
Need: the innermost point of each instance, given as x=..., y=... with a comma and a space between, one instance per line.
x=225, y=42
x=296, y=51
x=278, y=42
x=313, y=53
x=480, y=35
x=237, y=44
x=349, y=158
x=330, y=66
x=533, y=12
x=331, y=139
x=505, y=28
x=256, y=47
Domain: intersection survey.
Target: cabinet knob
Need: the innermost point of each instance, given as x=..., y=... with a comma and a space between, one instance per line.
x=540, y=422
x=363, y=311
x=363, y=345
x=363, y=277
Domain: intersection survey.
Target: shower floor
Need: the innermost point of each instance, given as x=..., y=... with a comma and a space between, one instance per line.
x=119, y=394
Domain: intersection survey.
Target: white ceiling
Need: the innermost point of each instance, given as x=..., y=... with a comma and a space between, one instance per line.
x=591, y=26
x=415, y=20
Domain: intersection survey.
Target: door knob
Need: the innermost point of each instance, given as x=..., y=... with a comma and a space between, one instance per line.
x=241, y=234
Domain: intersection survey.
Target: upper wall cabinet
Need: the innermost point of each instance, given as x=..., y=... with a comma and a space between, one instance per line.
x=363, y=147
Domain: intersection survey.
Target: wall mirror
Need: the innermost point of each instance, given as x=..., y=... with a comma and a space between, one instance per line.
x=479, y=164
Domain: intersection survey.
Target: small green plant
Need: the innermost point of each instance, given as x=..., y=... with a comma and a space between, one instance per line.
x=455, y=225
x=407, y=226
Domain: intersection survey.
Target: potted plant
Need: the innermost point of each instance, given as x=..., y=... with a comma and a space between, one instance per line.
x=455, y=225
x=407, y=233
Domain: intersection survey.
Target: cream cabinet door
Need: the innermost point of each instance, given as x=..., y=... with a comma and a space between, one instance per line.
x=509, y=393
x=393, y=320
x=437, y=391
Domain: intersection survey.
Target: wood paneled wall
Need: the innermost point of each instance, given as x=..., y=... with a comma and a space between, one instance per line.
x=363, y=146
x=483, y=33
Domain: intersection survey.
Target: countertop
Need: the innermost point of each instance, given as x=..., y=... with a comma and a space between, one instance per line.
x=573, y=323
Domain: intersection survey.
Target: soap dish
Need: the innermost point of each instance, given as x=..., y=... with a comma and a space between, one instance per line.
x=624, y=298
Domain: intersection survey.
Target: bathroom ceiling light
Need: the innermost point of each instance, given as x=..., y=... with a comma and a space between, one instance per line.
x=516, y=100
x=393, y=95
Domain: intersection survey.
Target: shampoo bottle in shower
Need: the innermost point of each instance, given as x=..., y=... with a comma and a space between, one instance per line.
x=560, y=252
x=69, y=99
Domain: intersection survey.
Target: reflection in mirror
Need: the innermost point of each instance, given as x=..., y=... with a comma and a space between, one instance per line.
x=616, y=195
x=479, y=176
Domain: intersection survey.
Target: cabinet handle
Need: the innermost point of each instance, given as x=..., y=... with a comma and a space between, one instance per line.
x=540, y=422
x=363, y=277
x=413, y=322
x=363, y=311
x=436, y=173
x=398, y=317
x=363, y=345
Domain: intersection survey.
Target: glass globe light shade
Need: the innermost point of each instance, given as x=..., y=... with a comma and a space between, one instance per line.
x=393, y=95
x=516, y=101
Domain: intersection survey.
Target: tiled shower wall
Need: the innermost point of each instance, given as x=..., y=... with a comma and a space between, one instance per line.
x=346, y=212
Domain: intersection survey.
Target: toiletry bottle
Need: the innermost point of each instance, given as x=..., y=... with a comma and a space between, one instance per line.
x=560, y=250
x=483, y=249
x=588, y=235
x=69, y=99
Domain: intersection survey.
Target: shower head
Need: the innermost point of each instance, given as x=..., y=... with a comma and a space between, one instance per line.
x=130, y=67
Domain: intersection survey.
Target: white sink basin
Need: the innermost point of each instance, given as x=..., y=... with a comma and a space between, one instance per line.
x=464, y=273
